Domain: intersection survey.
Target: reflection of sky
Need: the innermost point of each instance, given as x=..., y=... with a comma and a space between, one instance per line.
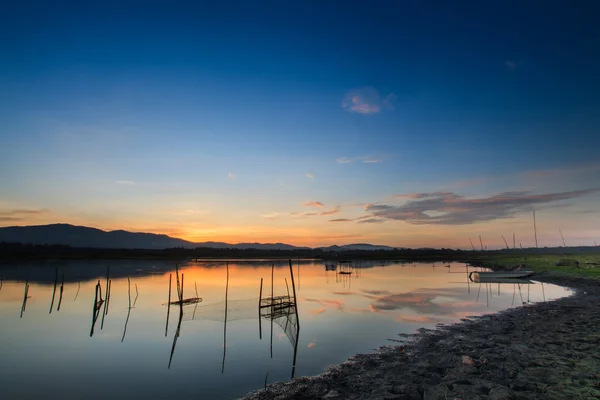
x=337, y=319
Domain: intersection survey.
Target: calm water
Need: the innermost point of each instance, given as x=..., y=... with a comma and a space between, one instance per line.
x=43, y=352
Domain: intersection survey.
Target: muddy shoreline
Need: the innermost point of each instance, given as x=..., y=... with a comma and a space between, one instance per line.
x=542, y=351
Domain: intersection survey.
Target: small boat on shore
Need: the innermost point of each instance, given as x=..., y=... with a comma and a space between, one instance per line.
x=487, y=277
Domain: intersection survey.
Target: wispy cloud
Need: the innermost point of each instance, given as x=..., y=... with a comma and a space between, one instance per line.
x=313, y=204
x=367, y=100
x=231, y=175
x=318, y=311
x=447, y=208
x=125, y=182
x=310, y=176
x=341, y=220
x=362, y=159
x=20, y=214
x=371, y=221
x=371, y=160
x=331, y=212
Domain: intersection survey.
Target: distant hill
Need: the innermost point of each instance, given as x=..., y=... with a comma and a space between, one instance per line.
x=356, y=246
x=82, y=236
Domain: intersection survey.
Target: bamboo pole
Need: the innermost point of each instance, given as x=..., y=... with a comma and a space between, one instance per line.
x=294, y=291
x=168, y=307
x=481, y=242
x=503, y=238
x=62, y=286
x=535, y=230
x=54, y=291
x=26, y=292
x=472, y=244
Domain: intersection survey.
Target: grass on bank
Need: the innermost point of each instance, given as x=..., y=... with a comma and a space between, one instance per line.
x=589, y=263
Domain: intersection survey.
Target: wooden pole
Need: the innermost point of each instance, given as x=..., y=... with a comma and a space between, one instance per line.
x=535, y=230
x=24, y=305
x=562, y=237
x=503, y=238
x=78, y=287
x=54, y=291
x=62, y=287
x=472, y=244
x=168, y=307
x=294, y=291
x=514, y=241
x=481, y=242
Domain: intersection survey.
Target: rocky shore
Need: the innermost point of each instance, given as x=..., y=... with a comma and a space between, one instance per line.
x=542, y=351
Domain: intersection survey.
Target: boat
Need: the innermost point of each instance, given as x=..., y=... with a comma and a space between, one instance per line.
x=476, y=276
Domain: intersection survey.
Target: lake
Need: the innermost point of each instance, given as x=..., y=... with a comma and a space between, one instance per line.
x=63, y=344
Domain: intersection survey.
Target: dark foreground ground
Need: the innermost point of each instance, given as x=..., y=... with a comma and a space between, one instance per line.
x=542, y=351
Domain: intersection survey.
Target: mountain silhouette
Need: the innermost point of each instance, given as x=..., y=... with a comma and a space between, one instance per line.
x=82, y=236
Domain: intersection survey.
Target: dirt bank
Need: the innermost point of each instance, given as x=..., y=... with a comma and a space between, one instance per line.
x=543, y=351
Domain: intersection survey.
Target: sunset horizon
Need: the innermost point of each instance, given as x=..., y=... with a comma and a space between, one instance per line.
x=242, y=124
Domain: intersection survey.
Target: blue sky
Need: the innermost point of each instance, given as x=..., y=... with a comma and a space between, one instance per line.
x=218, y=122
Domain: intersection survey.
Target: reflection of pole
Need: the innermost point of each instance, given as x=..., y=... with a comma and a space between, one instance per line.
x=295, y=349
x=468, y=284
x=259, y=303
x=168, y=307
x=225, y=324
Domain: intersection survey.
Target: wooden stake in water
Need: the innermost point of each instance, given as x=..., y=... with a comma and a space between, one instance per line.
x=168, y=306
x=62, y=286
x=481, y=242
x=54, y=291
x=472, y=244
x=535, y=230
x=503, y=238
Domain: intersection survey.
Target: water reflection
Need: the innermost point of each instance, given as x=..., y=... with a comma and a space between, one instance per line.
x=215, y=335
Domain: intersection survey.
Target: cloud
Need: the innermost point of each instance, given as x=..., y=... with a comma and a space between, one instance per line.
x=318, y=311
x=10, y=219
x=331, y=212
x=310, y=176
x=447, y=208
x=510, y=65
x=366, y=101
x=311, y=345
x=363, y=159
x=230, y=175
x=371, y=160
x=339, y=304
x=371, y=221
x=313, y=204
x=341, y=220
x=124, y=182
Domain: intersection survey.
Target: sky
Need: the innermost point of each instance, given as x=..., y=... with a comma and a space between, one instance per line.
x=409, y=124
